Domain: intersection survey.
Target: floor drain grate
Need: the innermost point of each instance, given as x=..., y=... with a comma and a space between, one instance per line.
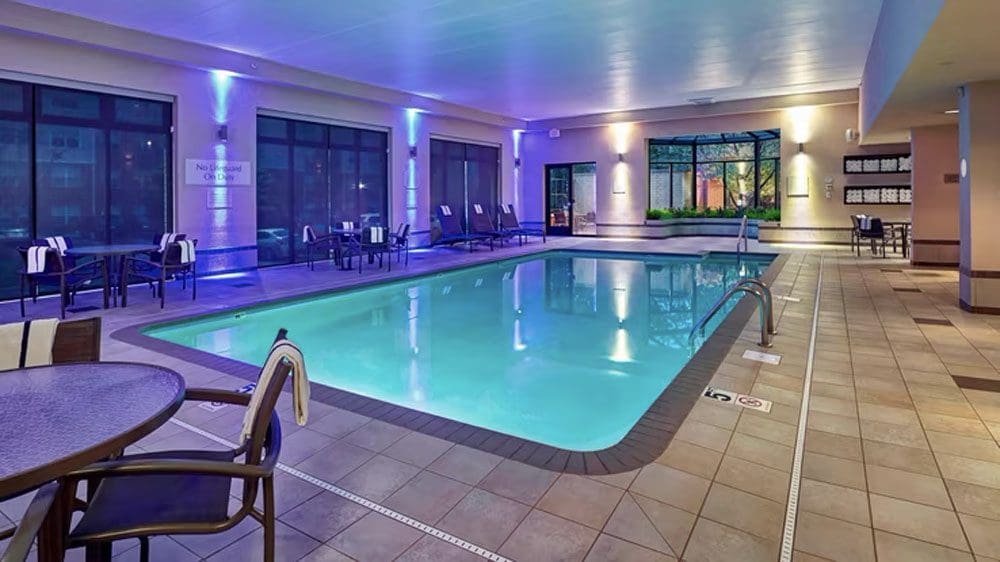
x=933, y=321
x=242, y=285
x=891, y=270
x=83, y=309
x=906, y=290
x=976, y=383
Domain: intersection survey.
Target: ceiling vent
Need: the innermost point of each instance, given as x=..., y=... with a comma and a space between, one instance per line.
x=702, y=101
x=554, y=133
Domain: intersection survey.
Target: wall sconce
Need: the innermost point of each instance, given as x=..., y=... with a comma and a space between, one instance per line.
x=413, y=151
x=802, y=147
x=222, y=134
x=517, y=162
x=621, y=156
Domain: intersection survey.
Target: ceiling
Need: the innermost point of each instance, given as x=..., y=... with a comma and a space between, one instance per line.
x=961, y=46
x=532, y=59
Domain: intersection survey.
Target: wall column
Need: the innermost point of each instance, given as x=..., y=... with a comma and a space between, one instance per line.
x=979, y=168
x=935, y=206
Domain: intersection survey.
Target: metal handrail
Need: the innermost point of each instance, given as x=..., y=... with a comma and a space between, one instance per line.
x=742, y=235
x=761, y=292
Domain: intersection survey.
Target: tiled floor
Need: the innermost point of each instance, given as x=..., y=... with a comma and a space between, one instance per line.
x=898, y=462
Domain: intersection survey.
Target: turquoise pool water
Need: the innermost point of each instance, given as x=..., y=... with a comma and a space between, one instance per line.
x=564, y=348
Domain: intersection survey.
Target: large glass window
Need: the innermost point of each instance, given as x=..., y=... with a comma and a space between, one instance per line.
x=315, y=174
x=463, y=175
x=726, y=170
x=93, y=167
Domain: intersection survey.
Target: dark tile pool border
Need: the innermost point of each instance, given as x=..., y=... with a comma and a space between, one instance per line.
x=643, y=444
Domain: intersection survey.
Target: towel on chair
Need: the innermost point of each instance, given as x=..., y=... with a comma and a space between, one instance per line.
x=27, y=344
x=36, y=259
x=864, y=222
x=187, y=251
x=59, y=243
x=377, y=235
x=282, y=350
x=446, y=210
x=166, y=240
x=347, y=225
x=507, y=208
x=308, y=234
x=478, y=208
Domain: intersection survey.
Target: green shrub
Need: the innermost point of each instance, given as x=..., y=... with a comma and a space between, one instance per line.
x=757, y=213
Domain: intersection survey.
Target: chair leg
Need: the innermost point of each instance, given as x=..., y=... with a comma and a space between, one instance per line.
x=62, y=297
x=194, y=282
x=22, y=295
x=268, y=520
x=161, y=288
x=143, y=549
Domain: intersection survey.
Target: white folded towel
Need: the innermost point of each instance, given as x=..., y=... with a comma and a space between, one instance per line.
x=187, y=251
x=507, y=208
x=478, y=208
x=446, y=210
x=36, y=258
x=347, y=225
x=166, y=240
x=27, y=344
x=864, y=223
x=59, y=243
x=308, y=234
x=377, y=235
x=282, y=350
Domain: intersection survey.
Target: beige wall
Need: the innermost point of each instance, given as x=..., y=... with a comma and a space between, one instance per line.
x=201, y=99
x=820, y=128
x=935, y=203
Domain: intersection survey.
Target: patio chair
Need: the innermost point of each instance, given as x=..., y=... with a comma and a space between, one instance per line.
x=400, y=242
x=77, y=341
x=44, y=266
x=856, y=233
x=452, y=232
x=314, y=243
x=188, y=492
x=481, y=223
x=374, y=241
x=872, y=230
x=509, y=223
x=177, y=259
x=162, y=241
x=23, y=536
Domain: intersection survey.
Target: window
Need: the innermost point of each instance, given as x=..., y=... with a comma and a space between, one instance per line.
x=94, y=167
x=319, y=175
x=463, y=175
x=727, y=170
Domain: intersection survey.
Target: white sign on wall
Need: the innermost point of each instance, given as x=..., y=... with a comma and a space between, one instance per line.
x=217, y=172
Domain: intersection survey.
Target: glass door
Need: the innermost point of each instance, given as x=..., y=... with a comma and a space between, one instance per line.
x=571, y=199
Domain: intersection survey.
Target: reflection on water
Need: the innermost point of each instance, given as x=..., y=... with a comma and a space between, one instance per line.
x=533, y=347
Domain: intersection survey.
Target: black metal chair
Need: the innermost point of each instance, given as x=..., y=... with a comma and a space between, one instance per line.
x=400, y=242
x=58, y=274
x=185, y=492
x=856, y=234
x=24, y=535
x=315, y=243
x=374, y=241
x=170, y=266
x=875, y=234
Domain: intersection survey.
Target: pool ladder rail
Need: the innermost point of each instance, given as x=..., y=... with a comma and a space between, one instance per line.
x=765, y=308
x=741, y=237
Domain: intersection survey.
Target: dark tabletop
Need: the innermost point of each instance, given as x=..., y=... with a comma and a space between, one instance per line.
x=111, y=249
x=57, y=419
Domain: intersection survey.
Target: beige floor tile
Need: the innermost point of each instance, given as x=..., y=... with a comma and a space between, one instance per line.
x=611, y=549
x=630, y=522
x=542, y=536
x=896, y=456
x=973, y=499
x=955, y=425
x=430, y=549
x=519, y=481
x=887, y=414
x=378, y=478
x=375, y=537
x=713, y=413
x=896, y=548
x=325, y=515
x=711, y=542
x=774, y=431
x=691, y=458
x=984, y=535
x=964, y=446
x=418, y=449
x=427, y=497
x=581, y=499
x=835, y=501
x=672, y=486
x=905, y=435
x=918, y=521
x=484, y=519
x=833, y=470
x=833, y=445
x=754, y=478
x=465, y=464
x=832, y=423
x=619, y=480
x=834, y=406
x=673, y=524
x=746, y=512
x=909, y=486
x=704, y=435
x=833, y=539
x=973, y=471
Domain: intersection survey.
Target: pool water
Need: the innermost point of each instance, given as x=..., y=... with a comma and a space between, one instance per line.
x=564, y=348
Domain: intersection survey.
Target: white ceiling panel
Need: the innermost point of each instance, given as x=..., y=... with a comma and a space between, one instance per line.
x=532, y=58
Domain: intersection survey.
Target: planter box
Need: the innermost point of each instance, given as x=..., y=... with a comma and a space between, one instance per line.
x=667, y=228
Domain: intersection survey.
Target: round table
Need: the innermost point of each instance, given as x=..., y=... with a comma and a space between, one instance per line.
x=60, y=418
x=110, y=254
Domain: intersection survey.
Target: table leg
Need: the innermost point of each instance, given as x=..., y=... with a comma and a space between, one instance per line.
x=105, y=265
x=55, y=528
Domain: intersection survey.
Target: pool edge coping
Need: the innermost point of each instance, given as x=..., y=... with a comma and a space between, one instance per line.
x=645, y=441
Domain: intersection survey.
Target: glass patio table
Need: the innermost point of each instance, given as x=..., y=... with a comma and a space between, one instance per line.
x=60, y=418
x=111, y=255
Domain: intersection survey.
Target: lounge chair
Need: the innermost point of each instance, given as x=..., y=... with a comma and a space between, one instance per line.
x=480, y=223
x=509, y=223
x=452, y=232
x=188, y=492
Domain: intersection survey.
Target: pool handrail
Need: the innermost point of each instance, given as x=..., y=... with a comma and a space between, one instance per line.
x=754, y=287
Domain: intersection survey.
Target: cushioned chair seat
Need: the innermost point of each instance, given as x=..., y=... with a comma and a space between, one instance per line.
x=158, y=498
